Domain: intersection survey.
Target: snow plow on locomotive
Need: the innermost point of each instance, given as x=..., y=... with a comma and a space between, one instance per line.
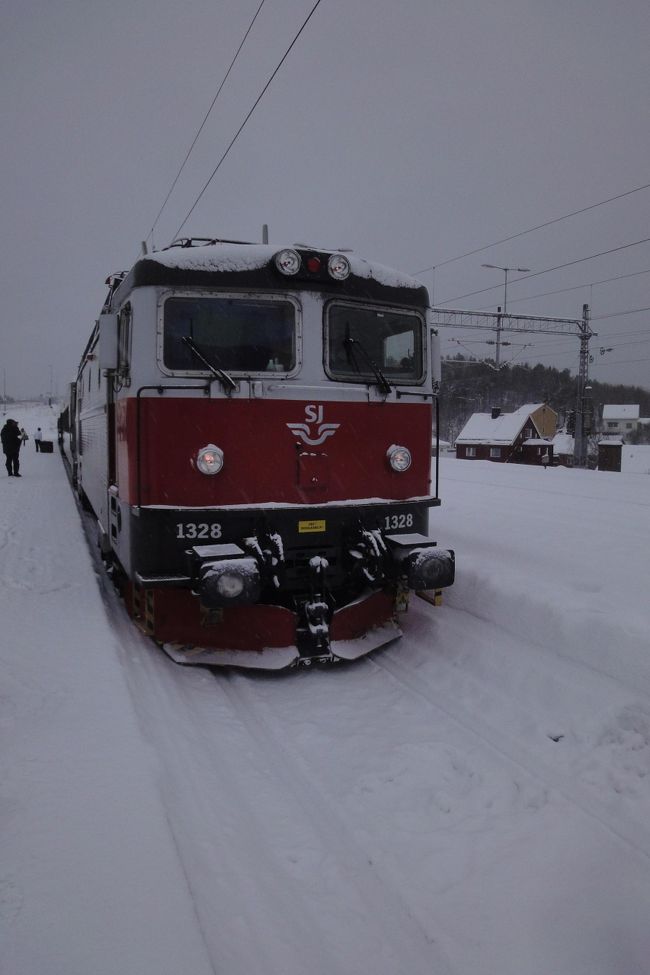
x=251, y=427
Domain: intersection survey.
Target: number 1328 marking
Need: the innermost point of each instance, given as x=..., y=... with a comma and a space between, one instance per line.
x=190, y=529
x=398, y=521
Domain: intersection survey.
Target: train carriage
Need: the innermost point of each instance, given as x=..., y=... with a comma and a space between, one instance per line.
x=252, y=431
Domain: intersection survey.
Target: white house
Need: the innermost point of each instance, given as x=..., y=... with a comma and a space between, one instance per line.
x=621, y=419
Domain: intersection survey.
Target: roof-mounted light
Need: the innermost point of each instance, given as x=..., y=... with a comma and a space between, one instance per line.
x=287, y=261
x=338, y=267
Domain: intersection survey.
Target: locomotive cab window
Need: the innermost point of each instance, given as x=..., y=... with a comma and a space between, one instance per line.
x=366, y=342
x=238, y=335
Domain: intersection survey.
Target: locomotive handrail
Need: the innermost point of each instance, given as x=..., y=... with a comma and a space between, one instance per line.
x=160, y=389
x=437, y=442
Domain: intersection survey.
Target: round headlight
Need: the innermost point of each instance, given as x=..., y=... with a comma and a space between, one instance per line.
x=338, y=267
x=287, y=261
x=230, y=585
x=399, y=458
x=209, y=460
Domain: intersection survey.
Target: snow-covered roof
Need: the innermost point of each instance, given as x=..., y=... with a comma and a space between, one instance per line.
x=224, y=256
x=626, y=411
x=503, y=429
x=537, y=442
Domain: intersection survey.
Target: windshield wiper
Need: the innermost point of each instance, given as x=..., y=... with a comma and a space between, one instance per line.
x=350, y=345
x=227, y=381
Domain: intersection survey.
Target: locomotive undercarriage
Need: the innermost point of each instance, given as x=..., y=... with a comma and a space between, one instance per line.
x=260, y=595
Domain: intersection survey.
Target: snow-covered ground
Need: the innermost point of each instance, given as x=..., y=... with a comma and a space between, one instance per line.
x=473, y=799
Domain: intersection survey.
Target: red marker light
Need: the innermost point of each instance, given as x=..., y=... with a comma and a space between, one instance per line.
x=313, y=264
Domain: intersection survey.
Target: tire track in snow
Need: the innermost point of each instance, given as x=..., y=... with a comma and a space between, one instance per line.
x=217, y=806
x=604, y=713
x=257, y=843
x=129, y=640
x=415, y=949
x=632, y=834
x=220, y=827
x=557, y=632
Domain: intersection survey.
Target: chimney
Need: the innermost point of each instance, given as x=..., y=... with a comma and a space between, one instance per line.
x=496, y=412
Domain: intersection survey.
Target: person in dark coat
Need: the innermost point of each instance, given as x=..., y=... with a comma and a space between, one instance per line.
x=11, y=444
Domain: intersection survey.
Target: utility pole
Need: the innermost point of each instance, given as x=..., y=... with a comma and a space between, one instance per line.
x=499, y=322
x=580, y=441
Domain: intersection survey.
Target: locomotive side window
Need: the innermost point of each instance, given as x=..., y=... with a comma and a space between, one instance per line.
x=362, y=341
x=124, y=344
x=234, y=334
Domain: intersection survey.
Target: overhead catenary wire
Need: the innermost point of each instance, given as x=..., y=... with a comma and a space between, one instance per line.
x=623, y=345
x=619, y=314
x=630, y=331
x=530, y=230
x=556, y=351
x=566, y=353
x=624, y=362
x=241, y=127
x=548, y=270
x=577, y=287
x=559, y=347
x=205, y=119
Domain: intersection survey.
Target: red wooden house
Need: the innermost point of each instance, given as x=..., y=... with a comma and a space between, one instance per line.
x=522, y=437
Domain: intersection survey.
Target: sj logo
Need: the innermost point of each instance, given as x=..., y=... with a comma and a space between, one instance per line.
x=313, y=431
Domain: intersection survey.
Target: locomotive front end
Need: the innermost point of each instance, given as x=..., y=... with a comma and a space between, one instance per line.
x=270, y=489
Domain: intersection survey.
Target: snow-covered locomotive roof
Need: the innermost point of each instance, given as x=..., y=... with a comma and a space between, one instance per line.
x=241, y=265
x=227, y=256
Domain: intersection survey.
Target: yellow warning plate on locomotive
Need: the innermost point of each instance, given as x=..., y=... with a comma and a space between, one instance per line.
x=316, y=525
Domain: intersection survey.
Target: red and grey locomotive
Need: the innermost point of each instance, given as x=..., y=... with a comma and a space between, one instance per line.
x=251, y=427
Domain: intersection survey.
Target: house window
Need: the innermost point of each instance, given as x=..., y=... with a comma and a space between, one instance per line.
x=470, y=451
x=495, y=452
x=611, y=424
x=628, y=426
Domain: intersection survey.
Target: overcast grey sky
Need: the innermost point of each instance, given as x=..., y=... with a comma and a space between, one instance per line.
x=412, y=132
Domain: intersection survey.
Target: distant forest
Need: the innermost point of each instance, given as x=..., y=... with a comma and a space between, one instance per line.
x=470, y=386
